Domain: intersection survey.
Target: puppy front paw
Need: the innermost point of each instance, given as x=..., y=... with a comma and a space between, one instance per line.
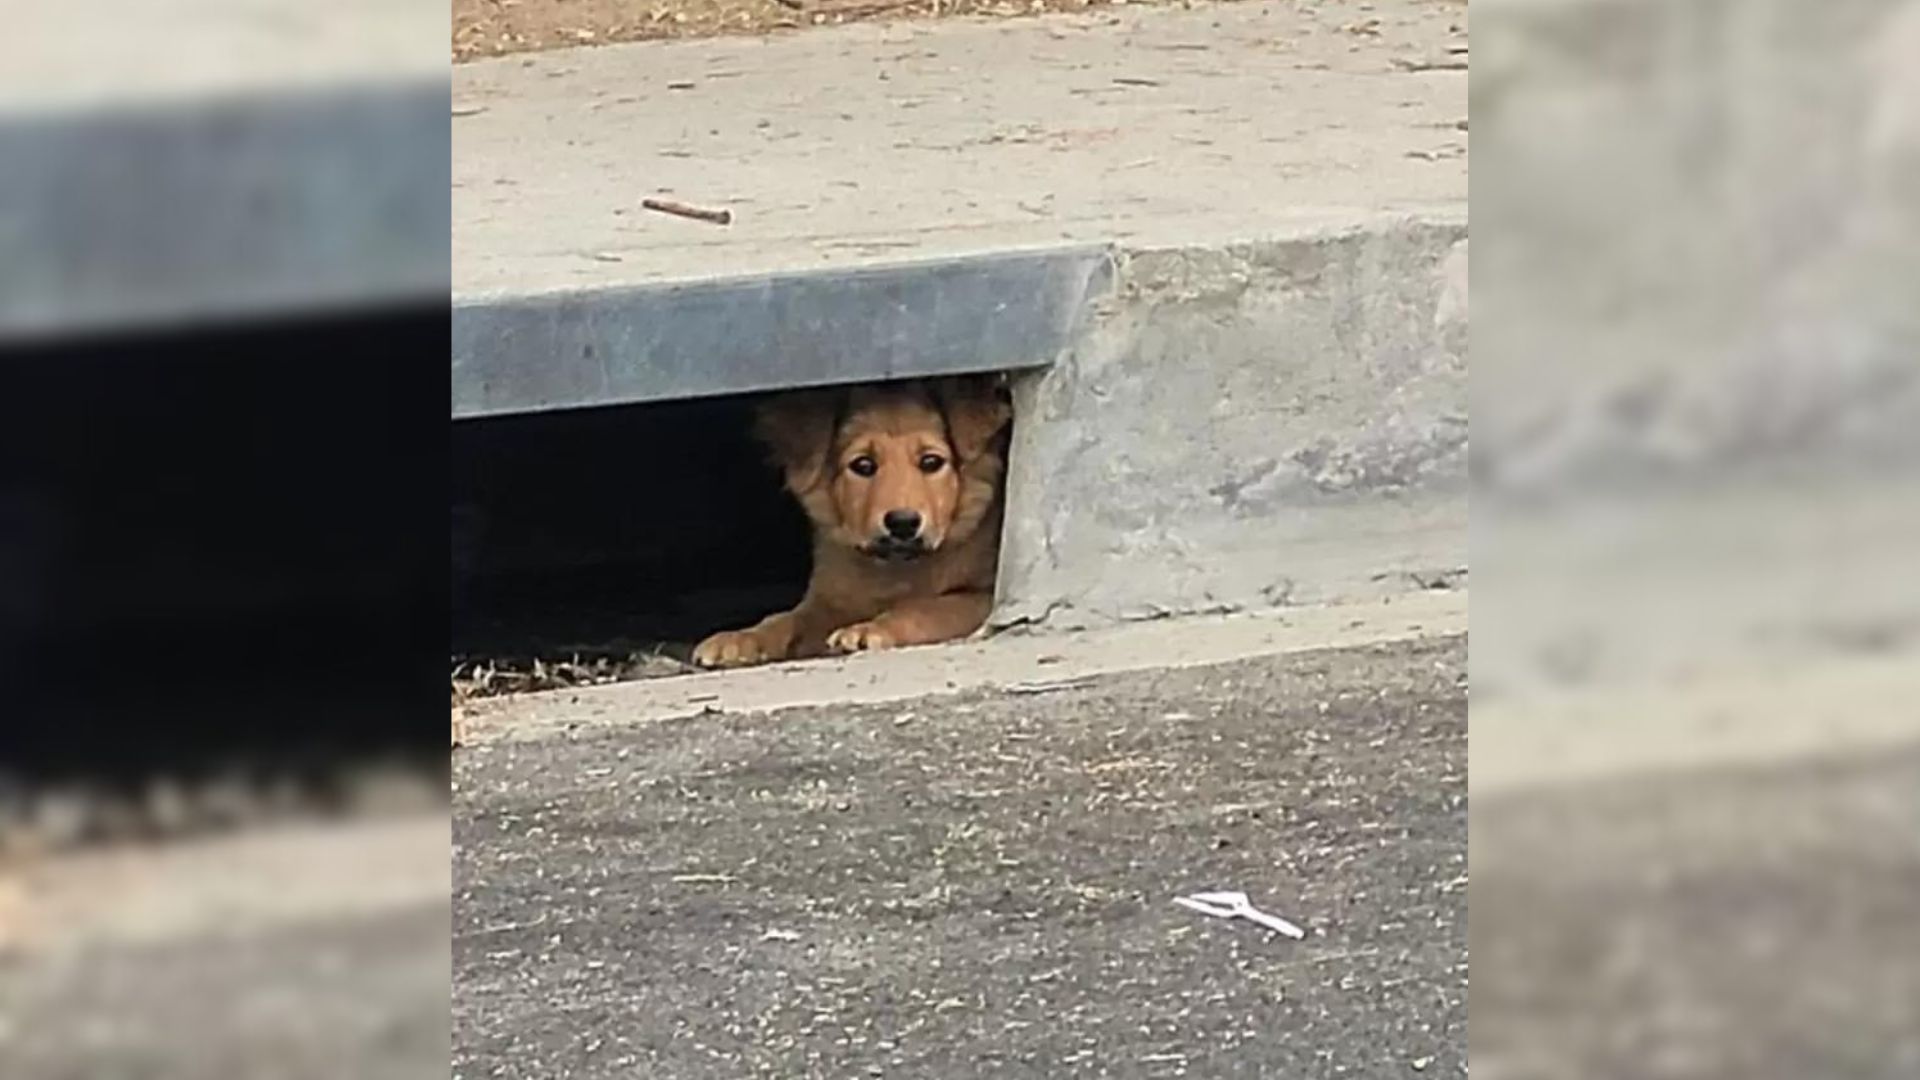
x=861, y=637
x=734, y=648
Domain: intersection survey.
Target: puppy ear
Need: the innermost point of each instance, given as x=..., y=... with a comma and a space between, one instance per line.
x=799, y=429
x=977, y=409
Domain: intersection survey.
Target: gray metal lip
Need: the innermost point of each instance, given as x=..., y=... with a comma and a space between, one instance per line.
x=995, y=312
x=129, y=216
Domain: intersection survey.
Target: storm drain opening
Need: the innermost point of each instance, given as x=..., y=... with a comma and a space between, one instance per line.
x=220, y=577
x=600, y=545
x=595, y=545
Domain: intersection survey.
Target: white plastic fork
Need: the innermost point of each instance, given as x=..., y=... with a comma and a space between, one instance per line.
x=1235, y=905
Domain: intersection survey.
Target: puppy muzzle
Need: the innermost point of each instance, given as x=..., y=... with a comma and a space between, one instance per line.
x=893, y=549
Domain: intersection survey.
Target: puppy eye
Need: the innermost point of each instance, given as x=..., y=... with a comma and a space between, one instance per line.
x=863, y=466
x=932, y=463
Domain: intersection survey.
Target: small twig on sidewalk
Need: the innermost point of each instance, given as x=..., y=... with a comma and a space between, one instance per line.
x=855, y=9
x=1450, y=64
x=680, y=209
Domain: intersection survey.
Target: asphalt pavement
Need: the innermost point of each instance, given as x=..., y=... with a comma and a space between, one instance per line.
x=1722, y=923
x=981, y=883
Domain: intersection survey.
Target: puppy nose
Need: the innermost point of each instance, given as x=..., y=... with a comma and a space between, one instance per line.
x=902, y=524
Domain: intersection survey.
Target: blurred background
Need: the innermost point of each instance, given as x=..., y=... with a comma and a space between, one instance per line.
x=1696, y=408
x=223, y=288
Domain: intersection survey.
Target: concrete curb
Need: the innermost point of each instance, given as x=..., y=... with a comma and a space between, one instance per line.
x=229, y=886
x=1214, y=428
x=1024, y=663
x=136, y=218
x=1274, y=422
x=686, y=340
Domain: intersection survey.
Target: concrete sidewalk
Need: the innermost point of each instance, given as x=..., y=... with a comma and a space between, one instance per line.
x=877, y=144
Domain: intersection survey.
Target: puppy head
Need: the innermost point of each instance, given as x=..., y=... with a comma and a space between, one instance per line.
x=893, y=471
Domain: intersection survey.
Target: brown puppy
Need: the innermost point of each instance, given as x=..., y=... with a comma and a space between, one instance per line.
x=902, y=483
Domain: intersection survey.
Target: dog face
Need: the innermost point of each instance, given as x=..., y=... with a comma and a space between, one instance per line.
x=895, y=472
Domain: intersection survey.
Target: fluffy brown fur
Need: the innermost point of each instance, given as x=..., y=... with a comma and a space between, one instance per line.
x=932, y=450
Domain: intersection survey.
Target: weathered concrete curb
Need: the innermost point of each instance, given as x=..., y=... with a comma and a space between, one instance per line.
x=226, y=886
x=1697, y=399
x=677, y=341
x=1264, y=424
x=1212, y=428
x=1018, y=663
x=264, y=163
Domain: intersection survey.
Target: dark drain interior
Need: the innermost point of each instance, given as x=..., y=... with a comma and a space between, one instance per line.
x=221, y=566
x=597, y=544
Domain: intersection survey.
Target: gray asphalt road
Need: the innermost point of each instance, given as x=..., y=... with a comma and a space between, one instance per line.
x=1724, y=924
x=980, y=884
